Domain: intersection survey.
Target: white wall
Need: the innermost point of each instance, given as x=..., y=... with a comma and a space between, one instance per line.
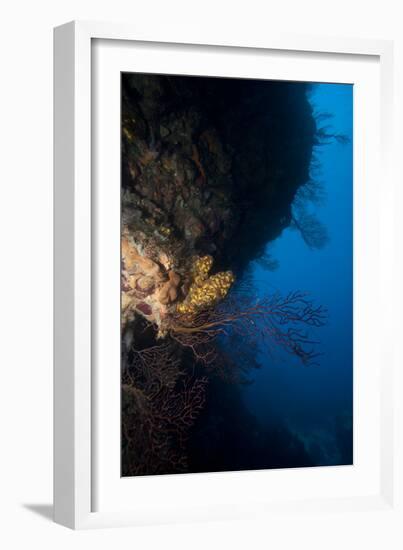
x=26, y=251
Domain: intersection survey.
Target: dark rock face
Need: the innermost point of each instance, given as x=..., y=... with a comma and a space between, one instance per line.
x=212, y=165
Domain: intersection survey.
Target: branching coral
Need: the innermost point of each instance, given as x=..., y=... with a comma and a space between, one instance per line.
x=161, y=398
x=207, y=312
x=160, y=405
x=280, y=321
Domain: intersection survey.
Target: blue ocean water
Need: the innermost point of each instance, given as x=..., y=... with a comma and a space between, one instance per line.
x=315, y=402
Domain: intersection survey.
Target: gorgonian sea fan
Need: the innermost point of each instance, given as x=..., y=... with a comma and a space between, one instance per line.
x=280, y=321
x=160, y=403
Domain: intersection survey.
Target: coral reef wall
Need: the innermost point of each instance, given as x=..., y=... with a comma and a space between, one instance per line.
x=211, y=166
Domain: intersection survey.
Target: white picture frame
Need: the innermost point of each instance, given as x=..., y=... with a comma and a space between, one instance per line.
x=77, y=422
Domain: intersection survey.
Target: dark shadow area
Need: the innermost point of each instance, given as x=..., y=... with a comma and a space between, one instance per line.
x=227, y=437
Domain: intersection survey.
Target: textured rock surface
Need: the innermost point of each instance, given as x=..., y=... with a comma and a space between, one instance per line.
x=209, y=167
x=207, y=160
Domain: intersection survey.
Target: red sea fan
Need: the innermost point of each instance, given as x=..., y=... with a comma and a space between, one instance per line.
x=160, y=404
x=279, y=321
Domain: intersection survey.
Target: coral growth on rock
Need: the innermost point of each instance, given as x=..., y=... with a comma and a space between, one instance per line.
x=159, y=405
x=210, y=168
x=150, y=287
x=143, y=280
x=205, y=291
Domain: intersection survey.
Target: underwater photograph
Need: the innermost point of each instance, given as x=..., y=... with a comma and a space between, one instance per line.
x=236, y=274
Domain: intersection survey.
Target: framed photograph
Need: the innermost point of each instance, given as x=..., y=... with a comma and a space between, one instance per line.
x=223, y=276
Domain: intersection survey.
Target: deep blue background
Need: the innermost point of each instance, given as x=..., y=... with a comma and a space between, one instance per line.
x=315, y=402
